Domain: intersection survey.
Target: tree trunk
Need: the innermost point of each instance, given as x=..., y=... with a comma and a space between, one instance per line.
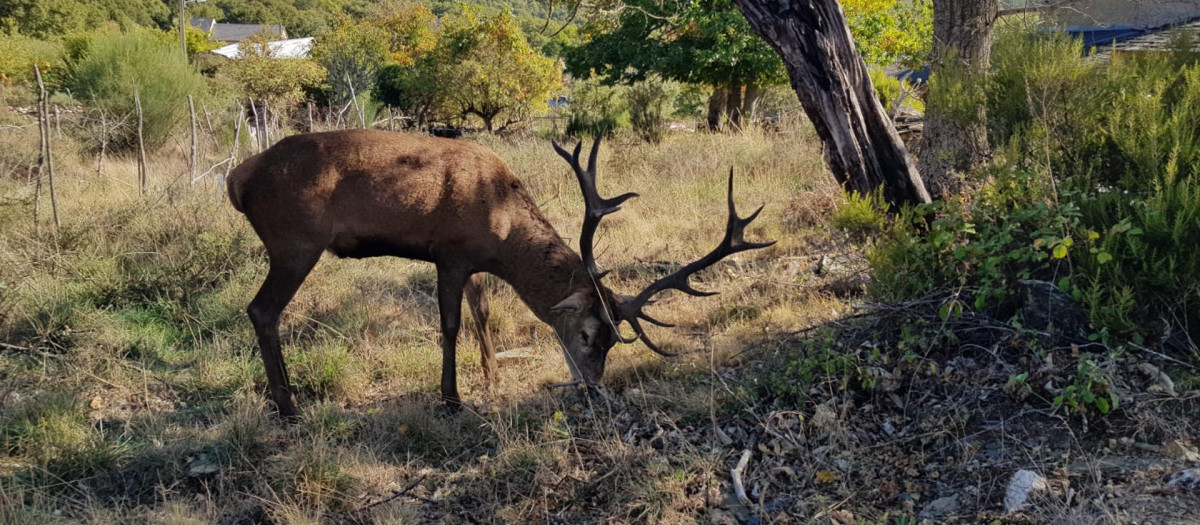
x=862, y=147
x=750, y=101
x=716, y=106
x=962, y=47
x=733, y=107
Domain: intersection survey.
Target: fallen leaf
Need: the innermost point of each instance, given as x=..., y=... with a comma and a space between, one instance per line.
x=826, y=476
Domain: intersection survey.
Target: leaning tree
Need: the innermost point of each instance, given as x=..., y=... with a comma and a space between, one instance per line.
x=862, y=147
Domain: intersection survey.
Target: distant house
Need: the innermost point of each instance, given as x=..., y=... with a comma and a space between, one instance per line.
x=1127, y=26
x=234, y=33
x=293, y=48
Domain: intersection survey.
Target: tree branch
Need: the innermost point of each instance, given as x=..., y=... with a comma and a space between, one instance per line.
x=1035, y=8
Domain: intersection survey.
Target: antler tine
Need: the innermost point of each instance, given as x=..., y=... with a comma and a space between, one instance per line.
x=595, y=207
x=733, y=242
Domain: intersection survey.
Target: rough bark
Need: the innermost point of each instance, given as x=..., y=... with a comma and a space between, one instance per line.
x=862, y=148
x=733, y=108
x=750, y=100
x=953, y=144
x=716, y=106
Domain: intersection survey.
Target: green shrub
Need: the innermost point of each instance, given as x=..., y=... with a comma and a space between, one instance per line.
x=650, y=102
x=595, y=109
x=980, y=249
x=21, y=53
x=861, y=215
x=1095, y=186
x=889, y=90
x=111, y=66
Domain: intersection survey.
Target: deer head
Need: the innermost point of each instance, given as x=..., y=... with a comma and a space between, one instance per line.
x=588, y=321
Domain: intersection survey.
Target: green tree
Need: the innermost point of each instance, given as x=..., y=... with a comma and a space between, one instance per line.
x=52, y=18
x=279, y=81
x=491, y=71
x=351, y=55
x=890, y=32
x=703, y=41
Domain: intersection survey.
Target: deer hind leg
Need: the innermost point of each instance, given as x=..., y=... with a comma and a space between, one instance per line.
x=450, y=282
x=283, y=279
x=477, y=301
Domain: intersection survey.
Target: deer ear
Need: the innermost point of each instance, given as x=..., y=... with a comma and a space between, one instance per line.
x=574, y=303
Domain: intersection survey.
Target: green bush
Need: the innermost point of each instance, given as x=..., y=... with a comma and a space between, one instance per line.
x=1095, y=186
x=111, y=66
x=650, y=103
x=595, y=109
x=889, y=90
x=21, y=53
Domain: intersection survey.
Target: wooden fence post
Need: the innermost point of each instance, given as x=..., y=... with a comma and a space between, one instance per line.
x=103, y=143
x=137, y=105
x=192, y=158
x=237, y=134
x=257, y=128
x=266, y=124
x=310, y=120
x=47, y=148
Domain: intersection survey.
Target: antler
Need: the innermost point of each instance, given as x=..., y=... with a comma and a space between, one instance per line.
x=595, y=206
x=631, y=310
x=734, y=242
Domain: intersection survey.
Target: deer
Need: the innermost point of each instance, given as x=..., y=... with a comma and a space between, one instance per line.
x=370, y=193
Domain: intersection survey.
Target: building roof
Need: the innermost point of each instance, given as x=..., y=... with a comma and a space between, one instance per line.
x=1135, y=14
x=230, y=33
x=1161, y=39
x=294, y=48
x=203, y=24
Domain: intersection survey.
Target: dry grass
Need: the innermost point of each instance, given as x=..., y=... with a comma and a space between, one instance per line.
x=132, y=392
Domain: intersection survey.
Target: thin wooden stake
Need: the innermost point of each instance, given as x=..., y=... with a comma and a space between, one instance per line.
x=44, y=116
x=391, y=123
x=207, y=119
x=57, y=123
x=192, y=158
x=103, y=144
x=237, y=134
x=257, y=128
x=137, y=104
x=310, y=120
x=266, y=124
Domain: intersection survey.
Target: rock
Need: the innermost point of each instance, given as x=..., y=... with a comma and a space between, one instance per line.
x=202, y=466
x=516, y=353
x=1046, y=308
x=97, y=403
x=941, y=508
x=1186, y=479
x=1024, y=483
x=1182, y=450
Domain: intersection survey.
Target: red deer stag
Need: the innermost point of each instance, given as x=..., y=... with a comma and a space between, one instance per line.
x=372, y=193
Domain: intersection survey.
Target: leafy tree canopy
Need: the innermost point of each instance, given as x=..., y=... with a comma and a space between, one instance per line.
x=699, y=41
x=51, y=18
x=891, y=31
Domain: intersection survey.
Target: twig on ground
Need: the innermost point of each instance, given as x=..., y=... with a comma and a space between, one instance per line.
x=739, y=490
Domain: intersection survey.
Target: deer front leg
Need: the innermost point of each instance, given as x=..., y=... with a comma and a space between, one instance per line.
x=477, y=301
x=283, y=279
x=450, y=283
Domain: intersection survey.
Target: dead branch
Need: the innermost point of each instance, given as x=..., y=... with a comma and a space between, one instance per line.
x=739, y=490
x=137, y=104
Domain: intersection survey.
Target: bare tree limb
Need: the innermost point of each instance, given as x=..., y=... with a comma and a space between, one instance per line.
x=1029, y=9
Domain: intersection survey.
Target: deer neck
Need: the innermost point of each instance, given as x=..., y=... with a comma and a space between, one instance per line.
x=542, y=269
